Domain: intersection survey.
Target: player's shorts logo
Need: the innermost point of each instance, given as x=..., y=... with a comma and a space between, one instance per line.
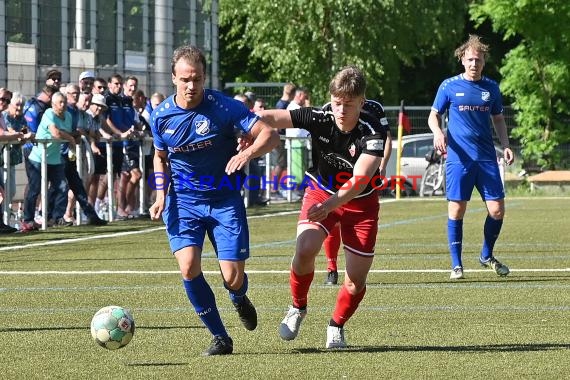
x=202, y=127
x=486, y=96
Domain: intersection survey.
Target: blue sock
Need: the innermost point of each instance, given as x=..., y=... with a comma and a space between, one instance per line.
x=237, y=295
x=490, y=234
x=202, y=298
x=455, y=240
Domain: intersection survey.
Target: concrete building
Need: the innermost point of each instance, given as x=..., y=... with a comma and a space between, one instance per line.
x=129, y=37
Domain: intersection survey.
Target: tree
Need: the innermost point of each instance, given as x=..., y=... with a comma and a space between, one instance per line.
x=308, y=41
x=536, y=72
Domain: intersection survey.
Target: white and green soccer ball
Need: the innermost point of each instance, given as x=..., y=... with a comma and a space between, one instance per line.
x=112, y=327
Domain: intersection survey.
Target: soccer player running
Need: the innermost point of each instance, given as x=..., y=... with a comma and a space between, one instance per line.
x=197, y=181
x=472, y=100
x=332, y=242
x=347, y=150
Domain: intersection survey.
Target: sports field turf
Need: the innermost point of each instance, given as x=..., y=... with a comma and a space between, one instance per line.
x=414, y=323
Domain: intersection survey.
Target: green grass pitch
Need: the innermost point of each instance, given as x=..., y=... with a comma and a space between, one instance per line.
x=414, y=323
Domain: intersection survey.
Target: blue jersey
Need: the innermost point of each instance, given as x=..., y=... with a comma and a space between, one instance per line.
x=33, y=112
x=200, y=143
x=470, y=105
x=16, y=123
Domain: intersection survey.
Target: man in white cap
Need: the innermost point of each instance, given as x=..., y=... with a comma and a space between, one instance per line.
x=86, y=80
x=98, y=129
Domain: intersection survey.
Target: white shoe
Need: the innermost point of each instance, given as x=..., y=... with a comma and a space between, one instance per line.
x=494, y=264
x=290, y=325
x=335, y=337
x=456, y=273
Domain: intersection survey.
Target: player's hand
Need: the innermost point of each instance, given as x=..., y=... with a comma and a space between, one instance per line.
x=440, y=143
x=237, y=162
x=318, y=212
x=509, y=156
x=156, y=210
x=244, y=141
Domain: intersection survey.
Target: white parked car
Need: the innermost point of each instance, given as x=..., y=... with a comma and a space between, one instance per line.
x=413, y=163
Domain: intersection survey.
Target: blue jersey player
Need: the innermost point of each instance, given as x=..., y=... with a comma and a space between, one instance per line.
x=197, y=178
x=473, y=101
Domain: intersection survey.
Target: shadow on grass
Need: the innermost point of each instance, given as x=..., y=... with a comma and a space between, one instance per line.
x=479, y=281
x=471, y=348
x=165, y=364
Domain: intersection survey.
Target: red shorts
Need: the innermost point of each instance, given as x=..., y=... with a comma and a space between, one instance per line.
x=358, y=219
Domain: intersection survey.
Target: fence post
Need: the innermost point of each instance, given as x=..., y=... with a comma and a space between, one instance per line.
x=44, y=187
x=110, y=179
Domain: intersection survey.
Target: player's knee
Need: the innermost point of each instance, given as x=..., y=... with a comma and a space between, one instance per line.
x=233, y=280
x=354, y=287
x=497, y=214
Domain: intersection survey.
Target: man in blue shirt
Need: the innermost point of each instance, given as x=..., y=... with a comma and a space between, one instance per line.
x=472, y=101
x=196, y=160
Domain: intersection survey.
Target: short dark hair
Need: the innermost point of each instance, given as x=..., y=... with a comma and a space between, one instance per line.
x=117, y=76
x=53, y=73
x=348, y=82
x=190, y=54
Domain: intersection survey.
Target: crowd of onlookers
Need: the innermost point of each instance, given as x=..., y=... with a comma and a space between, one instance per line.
x=87, y=113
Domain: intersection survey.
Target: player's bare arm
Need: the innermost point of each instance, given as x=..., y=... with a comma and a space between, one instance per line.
x=364, y=169
x=160, y=166
x=501, y=128
x=439, y=140
x=279, y=119
x=265, y=139
x=57, y=133
x=387, y=154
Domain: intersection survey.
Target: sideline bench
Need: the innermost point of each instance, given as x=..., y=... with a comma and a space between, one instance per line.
x=551, y=178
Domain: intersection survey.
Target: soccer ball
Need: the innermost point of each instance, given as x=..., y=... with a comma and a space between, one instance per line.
x=112, y=327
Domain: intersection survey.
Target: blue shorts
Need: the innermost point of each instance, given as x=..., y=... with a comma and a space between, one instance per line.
x=462, y=177
x=188, y=220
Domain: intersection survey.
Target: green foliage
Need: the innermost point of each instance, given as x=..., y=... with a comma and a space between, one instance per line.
x=536, y=72
x=308, y=41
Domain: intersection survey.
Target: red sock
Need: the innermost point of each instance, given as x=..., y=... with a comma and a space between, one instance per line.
x=300, y=288
x=332, y=245
x=346, y=305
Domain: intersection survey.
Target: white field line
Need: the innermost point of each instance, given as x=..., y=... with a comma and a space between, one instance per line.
x=75, y=240
x=158, y=272
x=119, y=234
x=116, y=234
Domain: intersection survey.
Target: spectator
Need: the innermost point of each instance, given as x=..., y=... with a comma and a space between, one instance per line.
x=121, y=125
x=55, y=124
x=76, y=188
x=86, y=80
x=99, y=86
x=53, y=78
x=299, y=143
x=14, y=122
x=98, y=129
x=279, y=154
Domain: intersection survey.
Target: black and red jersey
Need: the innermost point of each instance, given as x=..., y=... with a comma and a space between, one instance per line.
x=335, y=152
